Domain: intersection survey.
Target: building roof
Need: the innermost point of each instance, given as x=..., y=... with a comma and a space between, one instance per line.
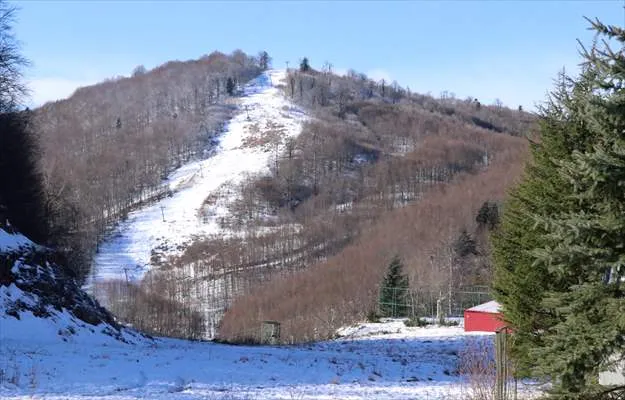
x=490, y=307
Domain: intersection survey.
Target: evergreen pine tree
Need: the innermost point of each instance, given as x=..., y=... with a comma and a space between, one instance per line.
x=21, y=181
x=465, y=245
x=264, y=61
x=559, y=254
x=304, y=66
x=394, y=299
x=488, y=215
x=230, y=86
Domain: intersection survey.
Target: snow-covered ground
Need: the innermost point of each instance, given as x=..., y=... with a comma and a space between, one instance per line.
x=13, y=241
x=58, y=356
x=264, y=119
x=374, y=361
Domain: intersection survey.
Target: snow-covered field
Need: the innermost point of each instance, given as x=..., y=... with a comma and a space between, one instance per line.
x=265, y=118
x=374, y=361
x=61, y=357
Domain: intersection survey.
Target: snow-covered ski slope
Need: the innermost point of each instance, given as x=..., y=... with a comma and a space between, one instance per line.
x=376, y=361
x=265, y=118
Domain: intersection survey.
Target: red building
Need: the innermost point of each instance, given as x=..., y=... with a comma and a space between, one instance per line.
x=483, y=318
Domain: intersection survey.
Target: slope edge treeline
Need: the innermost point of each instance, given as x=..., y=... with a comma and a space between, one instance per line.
x=108, y=147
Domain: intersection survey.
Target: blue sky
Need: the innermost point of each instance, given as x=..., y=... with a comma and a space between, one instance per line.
x=509, y=50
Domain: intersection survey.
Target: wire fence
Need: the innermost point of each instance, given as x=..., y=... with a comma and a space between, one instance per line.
x=167, y=308
x=414, y=303
x=430, y=302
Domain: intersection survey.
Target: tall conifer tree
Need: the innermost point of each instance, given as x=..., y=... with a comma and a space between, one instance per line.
x=394, y=291
x=560, y=251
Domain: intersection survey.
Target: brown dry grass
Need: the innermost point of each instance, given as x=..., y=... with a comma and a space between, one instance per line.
x=311, y=304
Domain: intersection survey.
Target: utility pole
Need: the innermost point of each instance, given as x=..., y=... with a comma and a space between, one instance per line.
x=451, y=280
x=287, y=66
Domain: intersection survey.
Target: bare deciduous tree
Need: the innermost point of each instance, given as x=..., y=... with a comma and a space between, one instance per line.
x=12, y=88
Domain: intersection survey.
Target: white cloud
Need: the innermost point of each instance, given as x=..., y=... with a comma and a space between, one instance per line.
x=43, y=90
x=378, y=74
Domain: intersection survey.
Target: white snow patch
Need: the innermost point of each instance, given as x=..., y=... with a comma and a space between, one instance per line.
x=169, y=224
x=13, y=241
x=397, y=329
x=489, y=307
x=60, y=326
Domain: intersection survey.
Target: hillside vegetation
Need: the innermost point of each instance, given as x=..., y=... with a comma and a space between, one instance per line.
x=312, y=304
x=374, y=150
x=107, y=148
x=377, y=171
x=370, y=152
x=222, y=199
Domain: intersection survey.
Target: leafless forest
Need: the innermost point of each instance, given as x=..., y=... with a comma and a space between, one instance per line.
x=379, y=171
x=108, y=147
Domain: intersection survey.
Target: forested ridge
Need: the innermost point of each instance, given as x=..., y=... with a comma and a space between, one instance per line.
x=377, y=153
x=368, y=152
x=393, y=173
x=108, y=147
x=371, y=151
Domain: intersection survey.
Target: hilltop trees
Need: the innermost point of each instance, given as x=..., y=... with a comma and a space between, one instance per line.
x=264, y=61
x=559, y=256
x=107, y=148
x=304, y=66
x=139, y=70
x=347, y=94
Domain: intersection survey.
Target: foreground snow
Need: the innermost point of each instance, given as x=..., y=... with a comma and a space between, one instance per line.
x=401, y=363
x=10, y=242
x=265, y=118
x=58, y=326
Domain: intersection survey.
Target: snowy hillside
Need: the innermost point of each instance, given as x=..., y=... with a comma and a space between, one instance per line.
x=40, y=301
x=264, y=121
x=27, y=317
x=394, y=363
x=13, y=242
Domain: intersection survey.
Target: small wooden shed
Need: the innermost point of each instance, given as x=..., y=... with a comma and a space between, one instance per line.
x=483, y=318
